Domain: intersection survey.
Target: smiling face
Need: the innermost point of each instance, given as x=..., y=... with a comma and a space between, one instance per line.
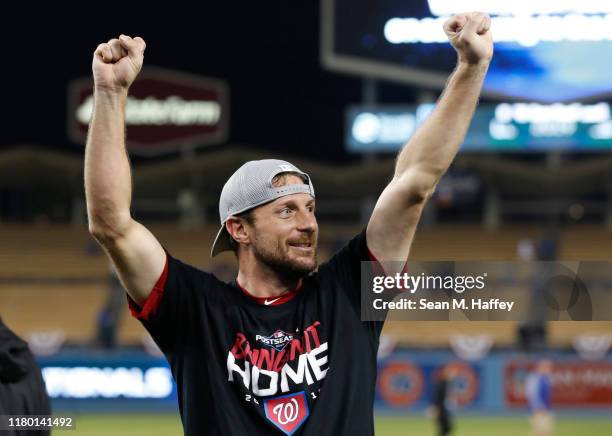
x=283, y=234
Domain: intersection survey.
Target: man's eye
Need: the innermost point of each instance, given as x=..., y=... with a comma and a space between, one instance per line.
x=285, y=211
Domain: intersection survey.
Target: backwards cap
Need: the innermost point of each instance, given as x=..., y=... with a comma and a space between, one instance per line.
x=251, y=186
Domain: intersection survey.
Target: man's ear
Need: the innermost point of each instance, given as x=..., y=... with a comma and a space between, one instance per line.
x=237, y=228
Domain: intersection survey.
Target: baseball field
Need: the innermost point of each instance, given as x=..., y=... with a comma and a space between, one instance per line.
x=168, y=425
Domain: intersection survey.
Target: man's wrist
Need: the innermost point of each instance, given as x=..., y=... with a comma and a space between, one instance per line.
x=481, y=64
x=473, y=69
x=111, y=92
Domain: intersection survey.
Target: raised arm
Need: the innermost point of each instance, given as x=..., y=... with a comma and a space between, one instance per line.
x=138, y=256
x=430, y=151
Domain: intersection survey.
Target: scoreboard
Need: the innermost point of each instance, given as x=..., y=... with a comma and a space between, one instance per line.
x=516, y=127
x=546, y=51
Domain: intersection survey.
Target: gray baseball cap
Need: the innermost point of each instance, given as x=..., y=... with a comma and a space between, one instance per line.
x=251, y=186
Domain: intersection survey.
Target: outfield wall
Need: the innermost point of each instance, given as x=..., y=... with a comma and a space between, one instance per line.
x=134, y=381
x=494, y=384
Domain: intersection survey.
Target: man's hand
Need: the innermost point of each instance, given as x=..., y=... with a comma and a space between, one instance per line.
x=117, y=63
x=470, y=35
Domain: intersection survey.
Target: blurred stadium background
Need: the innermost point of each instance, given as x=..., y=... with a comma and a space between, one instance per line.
x=336, y=88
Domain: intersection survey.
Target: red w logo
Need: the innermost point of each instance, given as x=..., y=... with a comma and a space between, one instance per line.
x=287, y=412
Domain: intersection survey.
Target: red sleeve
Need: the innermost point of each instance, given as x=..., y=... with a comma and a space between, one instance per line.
x=152, y=302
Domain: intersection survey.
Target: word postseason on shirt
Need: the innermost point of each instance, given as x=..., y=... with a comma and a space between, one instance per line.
x=279, y=372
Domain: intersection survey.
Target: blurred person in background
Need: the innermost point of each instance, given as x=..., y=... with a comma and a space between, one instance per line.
x=440, y=401
x=538, y=392
x=110, y=314
x=250, y=356
x=22, y=388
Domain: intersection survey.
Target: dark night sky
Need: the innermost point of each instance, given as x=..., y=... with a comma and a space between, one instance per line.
x=281, y=98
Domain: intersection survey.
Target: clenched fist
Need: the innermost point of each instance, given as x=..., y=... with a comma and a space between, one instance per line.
x=470, y=35
x=117, y=63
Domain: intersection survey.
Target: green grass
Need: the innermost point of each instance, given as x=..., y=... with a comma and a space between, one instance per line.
x=168, y=425
x=492, y=427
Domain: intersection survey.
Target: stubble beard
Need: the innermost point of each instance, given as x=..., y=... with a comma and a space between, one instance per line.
x=279, y=261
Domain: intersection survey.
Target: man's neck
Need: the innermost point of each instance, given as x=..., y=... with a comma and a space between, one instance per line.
x=261, y=281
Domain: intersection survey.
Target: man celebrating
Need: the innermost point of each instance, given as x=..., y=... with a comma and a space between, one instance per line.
x=281, y=349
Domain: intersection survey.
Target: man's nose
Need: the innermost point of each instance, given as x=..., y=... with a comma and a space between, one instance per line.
x=307, y=221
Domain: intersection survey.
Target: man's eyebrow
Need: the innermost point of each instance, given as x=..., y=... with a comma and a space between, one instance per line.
x=288, y=201
x=284, y=202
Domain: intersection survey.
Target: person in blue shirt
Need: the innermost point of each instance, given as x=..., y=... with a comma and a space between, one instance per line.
x=538, y=393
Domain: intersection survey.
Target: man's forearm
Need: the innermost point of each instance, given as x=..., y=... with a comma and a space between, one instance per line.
x=434, y=145
x=108, y=185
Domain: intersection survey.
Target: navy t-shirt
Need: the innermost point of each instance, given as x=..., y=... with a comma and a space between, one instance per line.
x=303, y=364
x=15, y=356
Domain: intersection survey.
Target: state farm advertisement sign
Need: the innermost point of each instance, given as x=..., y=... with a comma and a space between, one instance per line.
x=166, y=110
x=574, y=384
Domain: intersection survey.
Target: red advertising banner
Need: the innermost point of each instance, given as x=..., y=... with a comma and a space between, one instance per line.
x=404, y=384
x=574, y=384
x=166, y=110
x=401, y=384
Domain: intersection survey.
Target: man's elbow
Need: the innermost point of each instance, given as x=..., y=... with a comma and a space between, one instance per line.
x=417, y=187
x=420, y=197
x=100, y=233
x=106, y=228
